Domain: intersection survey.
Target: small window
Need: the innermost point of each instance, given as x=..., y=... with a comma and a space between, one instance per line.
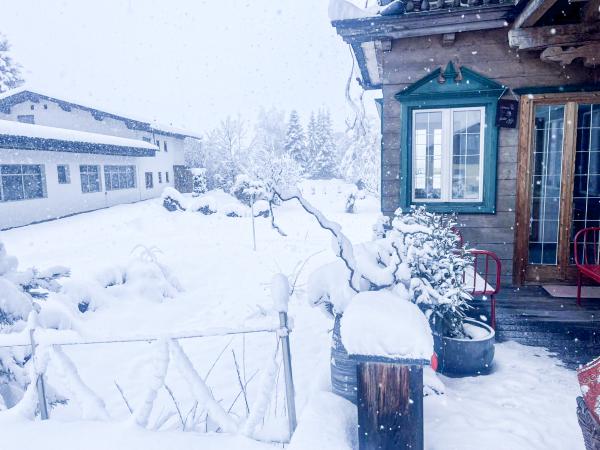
x=146, y=139
x=26, y=118
x=167, y=177
x=149, y=180
x=448, y=155
x=64, y=177
x=165, y=145
x=159, y=177
x=32, y=107
x=158, y=144
x=119, y=177
x=45, y=106
x=90, y=179
x=22, y=182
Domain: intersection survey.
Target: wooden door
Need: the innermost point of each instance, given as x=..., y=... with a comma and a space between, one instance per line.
x=558, y=188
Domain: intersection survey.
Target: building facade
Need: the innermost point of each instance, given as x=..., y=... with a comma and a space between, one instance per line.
x=490, y=110
x=35, y=128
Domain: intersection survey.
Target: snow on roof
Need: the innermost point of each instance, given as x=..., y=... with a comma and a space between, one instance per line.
x=345, y=10
x=12, y=128
x=382, y=324
x=152, y=125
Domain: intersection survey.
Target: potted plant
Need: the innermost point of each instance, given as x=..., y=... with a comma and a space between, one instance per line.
x=416, y=253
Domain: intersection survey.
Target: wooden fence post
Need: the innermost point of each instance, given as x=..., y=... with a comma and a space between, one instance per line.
x=390, y=403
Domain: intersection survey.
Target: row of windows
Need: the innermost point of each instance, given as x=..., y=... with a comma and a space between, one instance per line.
x=28, y=181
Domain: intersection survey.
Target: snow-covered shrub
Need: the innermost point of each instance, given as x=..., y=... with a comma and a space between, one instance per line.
x=18, y=289
x=350, y=202
x=206, y=205
x=261, y=209
x=234, y=210
x=199, y=181
x=416, y=257
x=173, y=200
x=240, y=189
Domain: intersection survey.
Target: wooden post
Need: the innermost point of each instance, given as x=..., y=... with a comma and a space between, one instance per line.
x=390, y=404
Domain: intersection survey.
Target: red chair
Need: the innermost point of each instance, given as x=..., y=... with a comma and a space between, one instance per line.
x=486, y=268
x=586, y=248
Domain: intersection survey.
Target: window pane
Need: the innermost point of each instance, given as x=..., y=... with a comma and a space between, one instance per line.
x=466, y=154
x=12, y=187
x=33, y=186
x=586, y=183
x=427, y=155
x=546, y=183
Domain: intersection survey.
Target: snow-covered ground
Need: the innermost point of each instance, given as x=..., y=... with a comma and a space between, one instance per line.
x=527, y=403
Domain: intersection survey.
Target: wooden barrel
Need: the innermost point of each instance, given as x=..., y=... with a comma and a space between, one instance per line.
x=343, y=369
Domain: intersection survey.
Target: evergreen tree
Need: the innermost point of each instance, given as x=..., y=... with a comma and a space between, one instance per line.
x=295, y=142
x=10, y=72
x=325, y=157
x=312, y=146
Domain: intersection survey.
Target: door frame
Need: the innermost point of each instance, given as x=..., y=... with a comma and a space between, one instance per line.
x=522, y=271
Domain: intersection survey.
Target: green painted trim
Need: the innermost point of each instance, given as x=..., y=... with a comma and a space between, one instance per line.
x=485, y=93
x=557, y=89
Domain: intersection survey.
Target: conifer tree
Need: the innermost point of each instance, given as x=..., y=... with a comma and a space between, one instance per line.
x=325, y=158
x=312, y=146
x=10, y=72
x=295, y=141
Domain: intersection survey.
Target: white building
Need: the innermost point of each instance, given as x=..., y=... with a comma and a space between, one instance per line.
x=59, y=158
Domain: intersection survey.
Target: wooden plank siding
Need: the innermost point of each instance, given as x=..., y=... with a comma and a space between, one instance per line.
x=488, y=53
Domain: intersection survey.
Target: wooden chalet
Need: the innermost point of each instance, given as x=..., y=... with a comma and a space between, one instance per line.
x=491, y=109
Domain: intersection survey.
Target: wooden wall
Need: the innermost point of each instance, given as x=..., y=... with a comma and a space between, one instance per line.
x=488, y=53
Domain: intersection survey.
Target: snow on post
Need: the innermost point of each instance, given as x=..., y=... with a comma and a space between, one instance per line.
x=391, y=340
x=280, y=292
x=382, y=324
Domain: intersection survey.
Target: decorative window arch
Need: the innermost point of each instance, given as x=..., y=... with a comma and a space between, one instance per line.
x=449, y=142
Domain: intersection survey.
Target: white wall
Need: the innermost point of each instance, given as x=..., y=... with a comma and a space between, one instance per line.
x=65, y=199
x=49, y=113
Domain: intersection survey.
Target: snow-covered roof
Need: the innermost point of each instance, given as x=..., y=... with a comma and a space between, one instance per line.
x=23, y=93
x=17, y=135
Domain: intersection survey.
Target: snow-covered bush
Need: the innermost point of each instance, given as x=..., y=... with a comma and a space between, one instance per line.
x=240, y=189
x=199, y=181
x=261, y=209
x=18, y=289
x=234, y=210
x=173, y=200
x=415, y=256
x=206, y=205
x=351, y=202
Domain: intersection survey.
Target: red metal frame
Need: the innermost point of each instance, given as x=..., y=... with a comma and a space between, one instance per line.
x=489, y=260
x=586, y=266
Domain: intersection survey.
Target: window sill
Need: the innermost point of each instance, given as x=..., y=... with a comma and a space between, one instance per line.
x=456, y=207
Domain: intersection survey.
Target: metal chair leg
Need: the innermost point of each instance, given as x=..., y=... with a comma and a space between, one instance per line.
x=578, y=288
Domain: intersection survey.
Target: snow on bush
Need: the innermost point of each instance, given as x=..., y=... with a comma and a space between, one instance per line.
x=234, y=210
x=416, y=257
x=173, y=200
x=380, y=323
x=18, y=290
x=261, y=209
x=206, y=205
x=199, y=181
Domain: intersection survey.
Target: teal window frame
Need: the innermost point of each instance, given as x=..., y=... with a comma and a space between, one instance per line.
x=444, y=90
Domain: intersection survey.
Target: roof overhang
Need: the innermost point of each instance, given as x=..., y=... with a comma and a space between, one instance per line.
x=56, y=145
x=370, y=36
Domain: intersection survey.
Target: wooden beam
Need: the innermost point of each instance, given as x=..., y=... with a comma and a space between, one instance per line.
x=591, y=11
x=590, y=53
x=539, y=38
x=533, y=12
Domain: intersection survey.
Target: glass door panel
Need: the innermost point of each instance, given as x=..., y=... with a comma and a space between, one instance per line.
x=546, y=184
x=586, y=182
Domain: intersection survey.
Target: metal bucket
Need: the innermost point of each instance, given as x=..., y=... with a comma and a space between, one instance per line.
x=343, y=370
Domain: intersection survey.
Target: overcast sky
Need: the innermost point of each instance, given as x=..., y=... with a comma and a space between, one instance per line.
x=188, y=63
